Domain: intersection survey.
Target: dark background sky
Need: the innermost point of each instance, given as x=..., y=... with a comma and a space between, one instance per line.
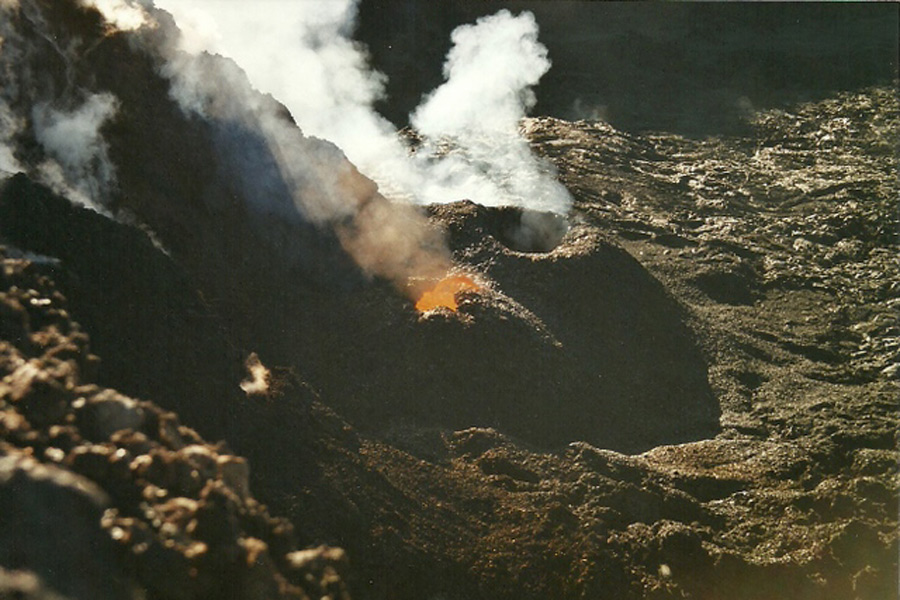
x=689, y=68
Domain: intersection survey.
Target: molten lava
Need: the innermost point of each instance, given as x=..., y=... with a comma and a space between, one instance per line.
x=444, y=292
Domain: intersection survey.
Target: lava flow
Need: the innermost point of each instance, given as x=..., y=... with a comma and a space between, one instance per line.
x=444, y=293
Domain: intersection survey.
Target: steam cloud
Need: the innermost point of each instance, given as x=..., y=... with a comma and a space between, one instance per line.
x=490, y=72
x=302, y=54
x=78, y=163
x=65, y=121
x=393, y=240
x=10, y=122
x=9, y=127
x=470, y=145
x=122, y=15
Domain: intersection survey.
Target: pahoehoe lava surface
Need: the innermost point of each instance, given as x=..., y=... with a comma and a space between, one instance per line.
x=691, y=393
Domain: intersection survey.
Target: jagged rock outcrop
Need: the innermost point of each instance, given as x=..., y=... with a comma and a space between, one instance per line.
x=105, y=496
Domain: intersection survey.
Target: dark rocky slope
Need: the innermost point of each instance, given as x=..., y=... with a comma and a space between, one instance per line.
x=578, y=343
x=147, y=320
x=798, y=492
x=105, y=496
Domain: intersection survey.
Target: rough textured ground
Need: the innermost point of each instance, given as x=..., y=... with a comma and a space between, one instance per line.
x=749, y=284
x=792, y=295
x=782, y=245
x=105, y=496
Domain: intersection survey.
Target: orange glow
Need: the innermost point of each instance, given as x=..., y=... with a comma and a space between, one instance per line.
x=444, y=292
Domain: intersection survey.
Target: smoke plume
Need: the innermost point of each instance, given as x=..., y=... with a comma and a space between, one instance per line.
x=469, y=144
x=471, y=148
x=301, y=54
x=9, y=127
x=10, y=122
x=121, y=15
x=490, y=72
x=263, y=149
x=300, y=163
x=63, y=119
x=78, y=163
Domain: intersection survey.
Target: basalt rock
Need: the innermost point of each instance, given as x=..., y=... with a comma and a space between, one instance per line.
x=51, y=522
x=140, y=311
x=577, y=342
x=105, y=496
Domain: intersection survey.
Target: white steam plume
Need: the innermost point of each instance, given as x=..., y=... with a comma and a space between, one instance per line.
x=302, y=54
x=78, y=163
x=10, y=125
x=123, y=15
x=295, y=173
x=64, y=119
x=490, y=72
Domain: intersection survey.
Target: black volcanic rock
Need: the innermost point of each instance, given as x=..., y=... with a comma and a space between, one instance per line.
x=575, y=343
x=50, y=520
x=636, y=368
x=578, y=343
x=157, y=334
x=104, y=496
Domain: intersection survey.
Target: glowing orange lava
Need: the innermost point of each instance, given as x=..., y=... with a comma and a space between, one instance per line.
x=444, y=292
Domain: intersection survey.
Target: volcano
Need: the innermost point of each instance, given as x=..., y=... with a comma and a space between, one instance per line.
x=623, y=373
x=244, y=371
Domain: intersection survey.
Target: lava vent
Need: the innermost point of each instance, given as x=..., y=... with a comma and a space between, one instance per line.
x=445, y=291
